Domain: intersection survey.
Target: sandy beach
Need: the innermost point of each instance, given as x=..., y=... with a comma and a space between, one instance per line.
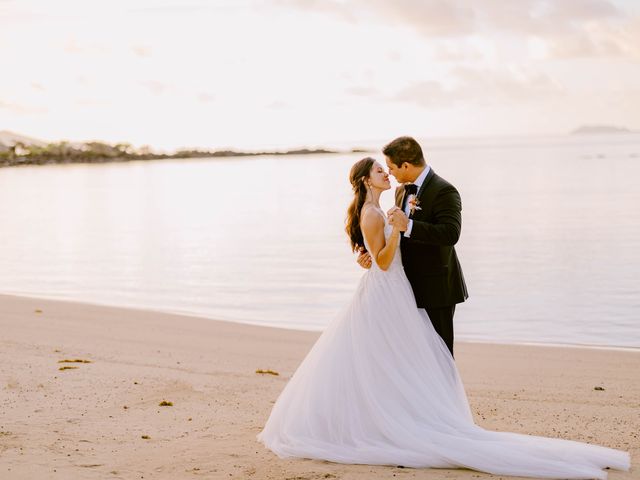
x=103, y=419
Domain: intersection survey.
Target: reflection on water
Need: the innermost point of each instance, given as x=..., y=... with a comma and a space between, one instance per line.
x=549, y=247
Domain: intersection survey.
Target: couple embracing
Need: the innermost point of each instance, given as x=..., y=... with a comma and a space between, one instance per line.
x=427, y=218
x=380, y=385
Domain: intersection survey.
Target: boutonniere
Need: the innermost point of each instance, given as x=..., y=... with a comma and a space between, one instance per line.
x=414, y=203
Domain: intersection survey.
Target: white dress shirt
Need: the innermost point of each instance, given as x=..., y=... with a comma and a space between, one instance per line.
x=407, y=208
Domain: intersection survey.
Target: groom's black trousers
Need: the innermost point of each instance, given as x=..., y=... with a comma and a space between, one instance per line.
x=442, y=320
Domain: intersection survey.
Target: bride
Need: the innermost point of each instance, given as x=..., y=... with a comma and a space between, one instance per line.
x=380, y=386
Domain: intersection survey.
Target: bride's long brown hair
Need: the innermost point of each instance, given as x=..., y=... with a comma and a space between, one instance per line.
x=357, y=176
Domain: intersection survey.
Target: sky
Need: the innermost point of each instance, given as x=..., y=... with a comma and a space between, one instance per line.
x=259, y=74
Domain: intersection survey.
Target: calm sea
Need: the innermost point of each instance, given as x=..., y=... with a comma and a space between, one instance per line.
x=550, y=243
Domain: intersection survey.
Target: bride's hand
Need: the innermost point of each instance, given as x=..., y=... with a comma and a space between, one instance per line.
x=399, y=220
x=391, y=210
x=364, y=259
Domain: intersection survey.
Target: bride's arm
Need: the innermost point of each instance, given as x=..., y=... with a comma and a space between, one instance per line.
x=372, y=225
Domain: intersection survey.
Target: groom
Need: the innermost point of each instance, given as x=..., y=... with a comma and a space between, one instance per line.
x=427, y=211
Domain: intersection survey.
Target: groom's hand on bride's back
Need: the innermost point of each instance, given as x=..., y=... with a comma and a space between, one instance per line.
x=364, y=259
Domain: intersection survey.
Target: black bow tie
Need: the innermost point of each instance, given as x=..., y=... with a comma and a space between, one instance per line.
x=410, y=188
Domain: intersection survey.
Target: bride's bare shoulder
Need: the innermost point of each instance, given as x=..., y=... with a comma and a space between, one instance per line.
x=371, y=216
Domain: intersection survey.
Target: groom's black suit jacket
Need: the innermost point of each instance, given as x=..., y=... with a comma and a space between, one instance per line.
x=428, y=255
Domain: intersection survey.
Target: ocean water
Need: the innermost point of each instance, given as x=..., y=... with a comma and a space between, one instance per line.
x=550, y=243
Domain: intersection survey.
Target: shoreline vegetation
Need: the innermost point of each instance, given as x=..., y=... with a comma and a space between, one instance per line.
x=98, y=152
x=17, y=150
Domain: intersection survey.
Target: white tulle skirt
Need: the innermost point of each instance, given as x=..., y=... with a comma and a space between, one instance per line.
x=380, y=387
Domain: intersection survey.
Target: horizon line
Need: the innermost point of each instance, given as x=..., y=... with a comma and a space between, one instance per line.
x=356, y=144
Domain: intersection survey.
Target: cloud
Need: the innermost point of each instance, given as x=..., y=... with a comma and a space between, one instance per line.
x=568, y=28
x=21, y=109
x=457, y=52
x=394, y=56
x=141, y=50
x=545, y=17
x=360, y=91
x=204, y=97
x=72, y=46
x=177, y=8
x=82, y=80
x=470, y=85
x=331, y=7
x=430, y=17
x=487, y=86
x=155, y=87
x=91, y=102
x=278, y=105
x=576, y=28
x=481, y=87
x=15, y=12
x=598, y=40
x=427, y=93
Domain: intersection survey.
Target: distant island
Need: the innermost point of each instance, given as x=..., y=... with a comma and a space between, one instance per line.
x=18, y=149
x=600, y=129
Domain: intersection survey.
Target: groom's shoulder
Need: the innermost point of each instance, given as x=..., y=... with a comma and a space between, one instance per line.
x=441, y=183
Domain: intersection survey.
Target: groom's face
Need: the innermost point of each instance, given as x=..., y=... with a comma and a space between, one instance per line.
x=399, y=173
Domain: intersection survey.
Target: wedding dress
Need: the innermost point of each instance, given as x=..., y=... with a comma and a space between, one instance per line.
x=380, y=387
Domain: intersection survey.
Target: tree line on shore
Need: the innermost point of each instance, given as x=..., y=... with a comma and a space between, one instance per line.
x=99, y=152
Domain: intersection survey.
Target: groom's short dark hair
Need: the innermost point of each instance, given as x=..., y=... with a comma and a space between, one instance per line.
x=404, y=149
